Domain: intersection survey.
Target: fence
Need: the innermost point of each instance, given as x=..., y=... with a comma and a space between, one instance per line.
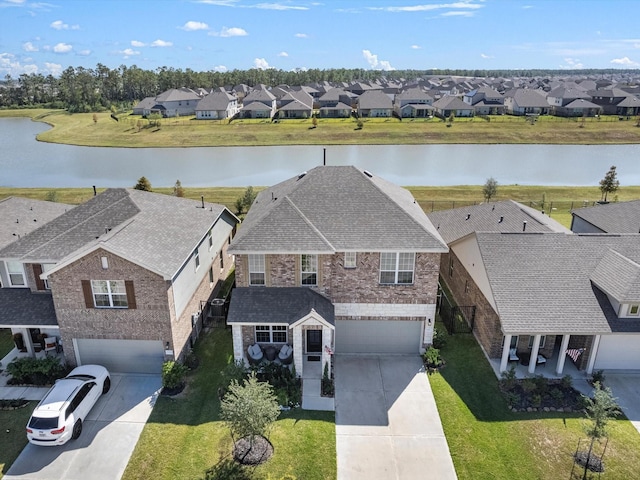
x=547, y=207
x=456, y=319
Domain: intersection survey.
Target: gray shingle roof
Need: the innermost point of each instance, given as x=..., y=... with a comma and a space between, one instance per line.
x=541, y=283
x=215, y=101
x=450, y=102
x=453, y=224
x=156, y=231
x=336, y=209
x=176, y=95
x=526, y=97
x=618, y=276
x=619, y=217
x=21, y=308
x=374, y=99
x=20, y=216
x=277, y=305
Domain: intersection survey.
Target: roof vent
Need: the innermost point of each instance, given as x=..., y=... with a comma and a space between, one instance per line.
x=468, y=216
x=368, y=173
x=493, y=208
x=501, y=219
x=524, y=225
x=202, y=200
x=301, y=175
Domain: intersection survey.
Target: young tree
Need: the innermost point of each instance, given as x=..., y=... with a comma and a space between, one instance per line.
x=598, y=411
x=243, y=204
x=95, y=118
x=178, y=191
x=143, y=184
x=249, y=409
x=609, y=184
x=490, y=188
x=314, y=121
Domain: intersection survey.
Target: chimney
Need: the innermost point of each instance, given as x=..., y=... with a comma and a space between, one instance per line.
x=524, y=225
x=501, y=219
x=324, y=157
x=202, y=199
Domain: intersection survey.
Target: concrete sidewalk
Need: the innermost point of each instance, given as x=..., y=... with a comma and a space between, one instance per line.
x=387, y=422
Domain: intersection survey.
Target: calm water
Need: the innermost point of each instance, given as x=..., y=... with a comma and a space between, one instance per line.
x=25, y=162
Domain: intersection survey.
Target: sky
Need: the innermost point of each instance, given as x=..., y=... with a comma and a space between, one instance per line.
x=50, y=35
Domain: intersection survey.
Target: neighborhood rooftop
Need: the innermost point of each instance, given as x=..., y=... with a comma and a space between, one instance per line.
x=622, y=217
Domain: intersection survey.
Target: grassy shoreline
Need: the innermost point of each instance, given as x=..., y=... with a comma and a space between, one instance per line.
x=133, y=132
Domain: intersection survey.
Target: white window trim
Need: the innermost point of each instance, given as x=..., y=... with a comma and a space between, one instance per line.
x=309, y=272
x=196, y=259
x=350, y=259
x=543, y=341
x=21, y=273
x=637, y=310
x=109, y=294
x=270, y=330
x=210, y=239
x=397, y=269
x=257, y=269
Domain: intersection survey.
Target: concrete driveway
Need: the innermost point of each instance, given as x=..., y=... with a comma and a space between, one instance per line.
x=626, y=388
x=109, y=435
x=387, y=423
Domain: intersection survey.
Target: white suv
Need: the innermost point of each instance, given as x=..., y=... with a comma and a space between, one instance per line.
x=59, y=415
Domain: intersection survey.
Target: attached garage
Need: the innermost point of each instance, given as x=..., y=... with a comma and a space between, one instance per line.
x=378, y=336
x=618, y=352
x=122, y=356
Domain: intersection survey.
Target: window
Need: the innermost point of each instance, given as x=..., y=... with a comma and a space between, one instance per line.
x=543, y=339
x=271, y=333
x=634, y=310
x=45, y=268
x=309, y=269
x=211, y=275
x=109, y=294
x=196, y=258
x=256, y=270
x=221, y=258
x=396, y=268
x=16, y=274
x=210, y=237
x=349, y=259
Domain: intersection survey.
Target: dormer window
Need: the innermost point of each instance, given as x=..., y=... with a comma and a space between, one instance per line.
x=634, y=310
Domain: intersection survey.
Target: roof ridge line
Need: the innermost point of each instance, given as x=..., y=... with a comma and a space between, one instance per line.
x=308, y=222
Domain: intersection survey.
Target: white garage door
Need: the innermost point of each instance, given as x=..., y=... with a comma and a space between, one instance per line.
x=125, y=356
x=618, y=352
x=377, y=336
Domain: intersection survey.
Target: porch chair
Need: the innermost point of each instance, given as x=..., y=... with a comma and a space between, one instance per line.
x=50, y=345
x=286, y=354
x=513, y=355
x=255, y=353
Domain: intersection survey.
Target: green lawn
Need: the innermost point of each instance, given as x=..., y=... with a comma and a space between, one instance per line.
x=13, y=436
x=6, y=343
x=488, y=441
x=184, y=436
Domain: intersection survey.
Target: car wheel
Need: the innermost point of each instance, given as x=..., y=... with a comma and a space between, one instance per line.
x=77, y=430
x=106, y=385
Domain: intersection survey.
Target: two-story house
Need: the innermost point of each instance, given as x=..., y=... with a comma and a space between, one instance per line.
x=413, y=103
x=217, y=105
x=176, y=102
x=335, y=260
x=122, y=279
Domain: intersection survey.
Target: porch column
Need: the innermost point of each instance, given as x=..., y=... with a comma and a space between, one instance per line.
x=592, y=355
x=533, y=360
x=238, y=351
x=504, y=361
x=28, y=343
x=562, y=355
x=297, y=349
x=326, y=344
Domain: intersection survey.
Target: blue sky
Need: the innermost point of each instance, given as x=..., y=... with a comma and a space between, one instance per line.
x=48, y=36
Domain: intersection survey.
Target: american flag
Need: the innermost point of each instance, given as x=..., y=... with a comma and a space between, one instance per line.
x=575, y=353
x=328, y=350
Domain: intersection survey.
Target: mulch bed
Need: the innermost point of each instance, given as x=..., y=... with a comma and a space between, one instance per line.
x=13, y=404
x=172, y=392
x=553, y=397
x=261, y=451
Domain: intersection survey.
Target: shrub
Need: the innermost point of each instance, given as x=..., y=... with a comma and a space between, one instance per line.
x=556, y=394
x=542, y=384
x=508, y=380
x=513, y=399
x=173, y=374
x=597, y=377
x=432, y=358
x=36, y=371
x=567, y=381
x=536, y=400
x=528, y=385
x=439, y=339
x=328, y=388
x=281, y=379
x=234, y=371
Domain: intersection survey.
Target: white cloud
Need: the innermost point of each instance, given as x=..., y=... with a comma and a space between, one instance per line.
x=29, y=47
x=461, y=5
x=278, y=6
x=527, y=7
x=485, y=56
x=572, y=64
x=261, y=63
x=10, y=66
x=262, y=6
x=161, y=43
x=128, y=52
x=416, y=47
x=192, y=26
x=54, y=69
x=84, y=53
x=373, y=61
x=60, y=25
x=301, y=35
x=457, y=13
x=625, y=61
x=283, y=54
x=230, y=32
x=137, y=44
x=220, y=68
x=62, y=48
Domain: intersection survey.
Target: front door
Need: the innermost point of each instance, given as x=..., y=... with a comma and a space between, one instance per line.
x=314, y=341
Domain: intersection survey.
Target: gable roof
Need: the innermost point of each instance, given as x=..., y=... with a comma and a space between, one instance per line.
x=582, y=103
x=277, y=305
x=215, y=101
x=374, y=99
x=20, y=216
x=618, y=217
x=457, y=223
x=618, y=276
x=332, y=209
x=177, y=95
x=526, y=97
x=158, y=232
x=451, y=103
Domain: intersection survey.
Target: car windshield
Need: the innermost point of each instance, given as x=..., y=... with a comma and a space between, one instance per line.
x=81, y=377
x=43, y=423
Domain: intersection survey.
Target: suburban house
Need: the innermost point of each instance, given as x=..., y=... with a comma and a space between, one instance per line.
x=374, y=103
x=618, y=217
x=449, y=105
x=217, y=105
x=615, y=101
x=339, y=110
x=334, y=96
x=296, y=104
x=525, y=101
x=485, y=101
x=259, y=103
x=176, y=102
x=120, y=280
x=413, y=103
x=541, y=293
x=144, y=106
x=334, y=260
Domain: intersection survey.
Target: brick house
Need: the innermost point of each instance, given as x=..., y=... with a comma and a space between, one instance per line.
x=352, y=259
x=125, y=276
x=538, y=289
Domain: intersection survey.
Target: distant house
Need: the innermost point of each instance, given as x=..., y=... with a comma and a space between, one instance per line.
x=339, y=110
x=176, y=102
x=413, y=103
x=296, y=104
x=572, y=102
x=524, y=101
x=144, y=107
x=217, y=105
x=448, y=105
x=615, y=101
x=334, y=96
x=485, y=101
x=374, y=103
x=259, y=103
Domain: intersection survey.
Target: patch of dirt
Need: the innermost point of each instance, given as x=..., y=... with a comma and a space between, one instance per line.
x=260, y=452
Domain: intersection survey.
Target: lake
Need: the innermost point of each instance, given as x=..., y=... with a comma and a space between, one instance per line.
x=25, y=162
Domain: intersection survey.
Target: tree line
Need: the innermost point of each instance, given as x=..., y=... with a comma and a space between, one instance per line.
x=80, y=89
